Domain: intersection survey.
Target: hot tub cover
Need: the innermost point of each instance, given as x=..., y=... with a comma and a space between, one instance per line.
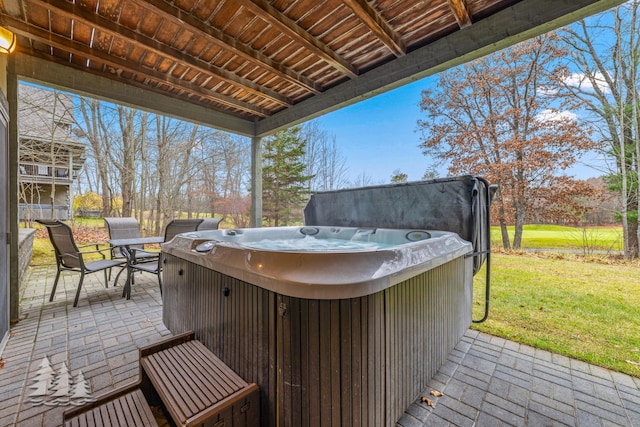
x=456, y=204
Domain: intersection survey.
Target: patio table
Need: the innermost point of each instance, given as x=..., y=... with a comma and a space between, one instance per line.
x=125, y=245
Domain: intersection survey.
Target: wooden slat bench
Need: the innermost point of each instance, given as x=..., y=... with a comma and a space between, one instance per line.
x=197, y=388
x=123, y=407
x=188, y=380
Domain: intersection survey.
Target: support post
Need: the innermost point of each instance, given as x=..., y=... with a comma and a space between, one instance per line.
x=12, y=98
x=256, y=182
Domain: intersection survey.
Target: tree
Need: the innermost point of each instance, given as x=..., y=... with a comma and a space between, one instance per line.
x=61, y=386
x=566, y=201
x=602, y=77
x=323, y=158
x=80, y=391
x=88, y=201
x=42, y=382
x=285, y=184
x=399, y=176
x=221, y=182
x=494, y=117
x=175, y=142
x=95, y=130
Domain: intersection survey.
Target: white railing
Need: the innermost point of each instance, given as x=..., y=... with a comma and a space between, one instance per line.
x=42, y=211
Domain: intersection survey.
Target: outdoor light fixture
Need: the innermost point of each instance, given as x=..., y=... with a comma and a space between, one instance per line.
x=7, y=41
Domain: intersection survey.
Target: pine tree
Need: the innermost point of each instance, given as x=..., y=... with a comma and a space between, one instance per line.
x=42, y=382
x=61, y=386
x=80, y=391
x=285, y=185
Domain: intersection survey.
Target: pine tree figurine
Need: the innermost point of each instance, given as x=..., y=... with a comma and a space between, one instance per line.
x=42, y=381
x=80, y=391
x=61, y=387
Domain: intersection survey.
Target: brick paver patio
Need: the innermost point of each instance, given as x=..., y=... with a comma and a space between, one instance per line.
x=487, y=381
x=100, y=337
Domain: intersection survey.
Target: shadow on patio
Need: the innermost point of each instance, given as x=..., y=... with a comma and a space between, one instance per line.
x=487, y=381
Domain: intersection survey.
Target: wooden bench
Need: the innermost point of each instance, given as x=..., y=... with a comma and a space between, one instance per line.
x=194, y=386
x=126, y=406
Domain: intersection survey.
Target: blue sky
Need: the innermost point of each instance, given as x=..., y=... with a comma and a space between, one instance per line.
x=379, y=136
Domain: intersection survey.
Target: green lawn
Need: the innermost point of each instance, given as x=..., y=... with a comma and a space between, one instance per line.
x=588, y=239
x=587, y=311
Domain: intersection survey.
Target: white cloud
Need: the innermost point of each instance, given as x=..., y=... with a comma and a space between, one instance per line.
x=553, y=115
x=582, y=81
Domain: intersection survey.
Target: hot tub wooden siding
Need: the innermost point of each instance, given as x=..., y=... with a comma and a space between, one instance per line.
x=356, y=362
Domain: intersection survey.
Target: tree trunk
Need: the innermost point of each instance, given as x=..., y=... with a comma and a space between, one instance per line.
x=517, y=235
x=506, y=243
x=632, y=247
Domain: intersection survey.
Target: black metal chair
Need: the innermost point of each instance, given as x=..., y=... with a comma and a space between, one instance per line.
x=70, y=258
x=175, y=227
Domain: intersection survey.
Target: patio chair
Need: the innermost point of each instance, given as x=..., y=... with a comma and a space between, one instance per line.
x=125, y=228
x=175, y=227
x=209, y=224
x=70, y=258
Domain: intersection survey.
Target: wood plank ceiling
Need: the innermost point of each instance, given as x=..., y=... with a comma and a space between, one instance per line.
x=260, y=63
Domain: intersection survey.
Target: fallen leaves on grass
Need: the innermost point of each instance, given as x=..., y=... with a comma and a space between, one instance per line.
x=633, y=363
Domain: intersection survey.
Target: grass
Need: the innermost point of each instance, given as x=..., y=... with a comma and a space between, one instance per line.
x=585, y=239
x=42, y=252
x=587, y=311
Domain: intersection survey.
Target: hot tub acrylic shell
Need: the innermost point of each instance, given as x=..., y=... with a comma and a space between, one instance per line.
x=328, y=341
x=316, y=274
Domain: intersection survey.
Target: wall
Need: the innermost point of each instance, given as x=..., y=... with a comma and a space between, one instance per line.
x=3, y=74
x=5, y=217
x=25, y=249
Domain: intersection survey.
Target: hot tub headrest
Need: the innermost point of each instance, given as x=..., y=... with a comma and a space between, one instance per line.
x=458, y=204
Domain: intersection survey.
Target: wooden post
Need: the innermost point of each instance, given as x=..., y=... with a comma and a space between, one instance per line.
x=256, y=181
x=12, y=98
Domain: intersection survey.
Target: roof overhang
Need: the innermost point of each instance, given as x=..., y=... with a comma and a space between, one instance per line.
x=257, y=89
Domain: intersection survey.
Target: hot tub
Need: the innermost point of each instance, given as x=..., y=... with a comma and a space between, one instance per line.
x=343, y=336
x=320, y=262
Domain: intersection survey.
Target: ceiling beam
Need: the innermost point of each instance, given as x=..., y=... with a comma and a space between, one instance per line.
x=523, y=20
x=265, y=11
x=74, y=12
x=46, y=72
x=378, y=26
x=224, y=41
x=461, y=12
x=58, y=42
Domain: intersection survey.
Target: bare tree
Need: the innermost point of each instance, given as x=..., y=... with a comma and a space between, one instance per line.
x=362, y=180
x=96, y=131
x=602, y=78
x=325, y=163
x=175, y=142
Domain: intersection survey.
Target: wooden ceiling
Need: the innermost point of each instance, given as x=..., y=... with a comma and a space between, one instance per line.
x=255, y=66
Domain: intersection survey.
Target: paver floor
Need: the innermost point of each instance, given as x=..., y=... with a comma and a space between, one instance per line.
x=492, y=382
x=99, y=338
x=487, y=381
